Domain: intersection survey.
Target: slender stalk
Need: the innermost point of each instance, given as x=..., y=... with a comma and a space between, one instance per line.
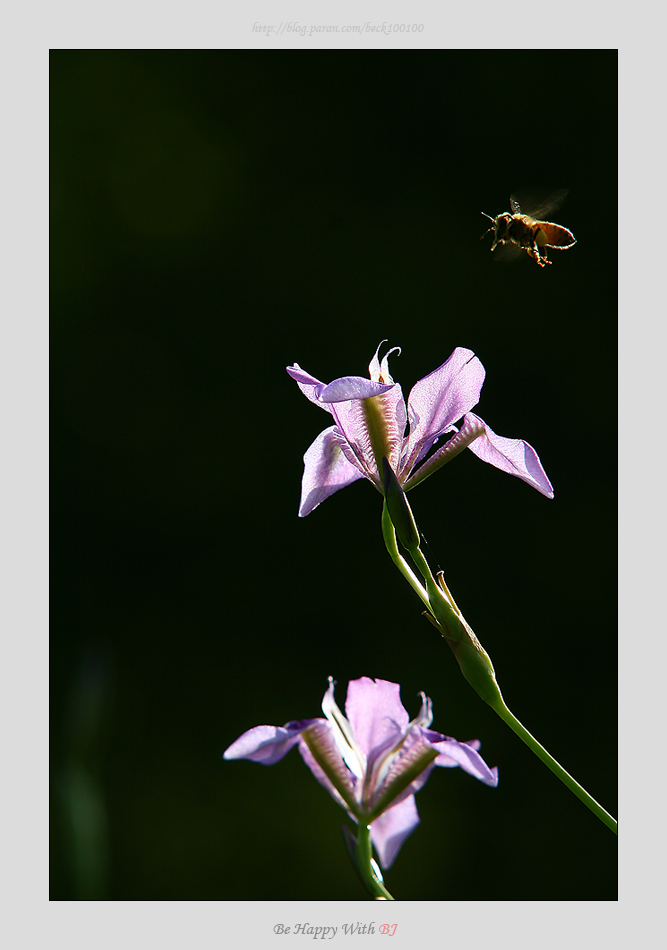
x=389, y=535
x=368, y=870
x=508, y=717
x=475, y=663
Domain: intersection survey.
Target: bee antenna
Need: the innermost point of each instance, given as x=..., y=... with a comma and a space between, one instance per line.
x=489, y=217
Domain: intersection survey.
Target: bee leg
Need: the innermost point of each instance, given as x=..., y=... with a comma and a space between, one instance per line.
x=531, y=251
x=539, y=242
x=537, y=254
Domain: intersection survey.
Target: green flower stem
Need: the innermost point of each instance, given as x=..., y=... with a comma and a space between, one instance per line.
x=366, y=866
x=389, y=535
x=434, y=592
x=473, y=660
x=565, y=777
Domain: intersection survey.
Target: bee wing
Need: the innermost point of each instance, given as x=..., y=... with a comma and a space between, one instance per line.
x=514, y=205
x=557, y=236
x=552, y=203
x=508, y=253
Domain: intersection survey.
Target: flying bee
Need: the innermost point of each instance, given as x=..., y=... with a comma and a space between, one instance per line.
x=530, y=232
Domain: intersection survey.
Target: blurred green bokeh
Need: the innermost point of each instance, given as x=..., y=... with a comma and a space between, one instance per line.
x=216, y=216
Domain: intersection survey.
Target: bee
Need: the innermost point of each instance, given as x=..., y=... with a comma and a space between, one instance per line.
x=530, y=232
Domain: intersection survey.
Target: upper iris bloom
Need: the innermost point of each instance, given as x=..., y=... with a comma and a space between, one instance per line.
x=372, y=421
x=371, y=762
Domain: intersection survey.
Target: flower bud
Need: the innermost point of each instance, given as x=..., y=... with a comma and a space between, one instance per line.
x=476, y=666
x=474, y=662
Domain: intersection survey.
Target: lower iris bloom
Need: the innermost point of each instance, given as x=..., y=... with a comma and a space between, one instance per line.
x=371, y=761
x=372, y=421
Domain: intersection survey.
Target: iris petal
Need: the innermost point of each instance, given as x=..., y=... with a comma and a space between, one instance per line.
x=511, y=455
x=326, y=470
x=352, y=387
x=452, y=753
x=438, y=400
x=267, y=744
x=389, y=831
x=376, y=714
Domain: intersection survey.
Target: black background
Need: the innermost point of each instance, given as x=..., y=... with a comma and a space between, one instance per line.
x=216, y=216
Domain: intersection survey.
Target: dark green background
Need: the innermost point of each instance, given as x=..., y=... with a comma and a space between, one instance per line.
x=216, y=216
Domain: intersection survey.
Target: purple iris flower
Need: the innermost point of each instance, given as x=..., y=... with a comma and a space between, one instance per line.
x=372, y=421
x=371, y=762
